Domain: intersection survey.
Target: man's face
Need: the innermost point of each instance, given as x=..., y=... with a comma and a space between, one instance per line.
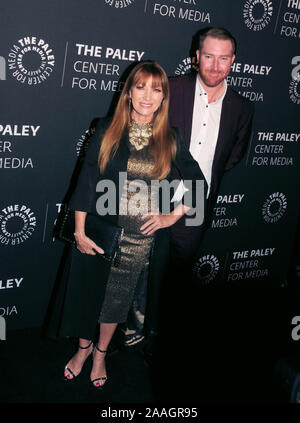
x=215, y=60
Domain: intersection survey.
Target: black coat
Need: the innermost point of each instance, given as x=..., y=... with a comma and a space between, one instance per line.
x=78, y=302
x=233, y=138
x=234, y=133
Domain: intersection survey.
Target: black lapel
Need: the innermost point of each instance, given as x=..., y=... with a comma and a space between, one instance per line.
x=118, y=161
x=117, y=164
x=188, y=104
x=224, y=132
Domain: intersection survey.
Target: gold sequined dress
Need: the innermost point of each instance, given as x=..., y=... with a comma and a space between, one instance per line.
x=137, y=199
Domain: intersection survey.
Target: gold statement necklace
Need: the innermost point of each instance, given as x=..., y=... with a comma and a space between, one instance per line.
x=139, y=134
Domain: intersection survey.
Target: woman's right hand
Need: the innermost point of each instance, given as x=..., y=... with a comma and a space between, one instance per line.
x=86, y=245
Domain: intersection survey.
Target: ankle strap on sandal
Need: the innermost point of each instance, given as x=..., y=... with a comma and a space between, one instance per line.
x=98, y=349
x=85, y=348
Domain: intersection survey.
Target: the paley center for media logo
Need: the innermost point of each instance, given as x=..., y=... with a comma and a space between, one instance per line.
x=17, y=224
x=30, y=60
x=119, y=4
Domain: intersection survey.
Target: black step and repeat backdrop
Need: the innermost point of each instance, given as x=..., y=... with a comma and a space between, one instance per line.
x=61, y=66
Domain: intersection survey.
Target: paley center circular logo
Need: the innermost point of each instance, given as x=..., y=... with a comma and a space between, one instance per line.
x=257, y=14
x=17, y=224
x=294, y=91
x=274, y=207
x=294, y=87
x=31, y=60
x=83, y=142
x=119, y=4
x=206, y=268
x=184, y=66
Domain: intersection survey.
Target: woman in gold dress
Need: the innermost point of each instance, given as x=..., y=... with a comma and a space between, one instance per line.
x=139, y=141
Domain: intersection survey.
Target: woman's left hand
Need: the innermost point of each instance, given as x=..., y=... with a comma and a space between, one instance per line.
x=157, y=221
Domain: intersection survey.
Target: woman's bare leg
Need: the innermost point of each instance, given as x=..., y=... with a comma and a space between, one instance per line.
x=77, y=361
x=106, y=332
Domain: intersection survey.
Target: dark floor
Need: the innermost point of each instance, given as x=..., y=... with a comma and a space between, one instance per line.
x=218, y=360
x=32, y=369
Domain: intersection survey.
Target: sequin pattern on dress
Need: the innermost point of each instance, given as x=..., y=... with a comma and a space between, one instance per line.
x=137, y=199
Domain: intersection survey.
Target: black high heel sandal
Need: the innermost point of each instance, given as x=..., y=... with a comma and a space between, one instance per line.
x=68, y=368
x=99, y=387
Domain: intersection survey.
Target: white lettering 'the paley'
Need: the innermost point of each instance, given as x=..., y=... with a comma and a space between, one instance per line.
x=10, y=283
x=19, y=130
x=256, y=69
x=129, y=55
x=262, y=252
x=236, y=198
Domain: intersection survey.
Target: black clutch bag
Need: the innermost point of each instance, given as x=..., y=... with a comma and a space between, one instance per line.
x=105, y=234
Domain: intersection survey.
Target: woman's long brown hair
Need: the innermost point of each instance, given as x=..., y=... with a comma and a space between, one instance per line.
x=162, y=143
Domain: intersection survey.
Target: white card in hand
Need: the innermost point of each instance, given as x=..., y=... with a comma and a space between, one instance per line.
x=179, y=193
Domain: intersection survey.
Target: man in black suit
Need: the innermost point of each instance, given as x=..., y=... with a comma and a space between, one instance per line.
x=214, y=121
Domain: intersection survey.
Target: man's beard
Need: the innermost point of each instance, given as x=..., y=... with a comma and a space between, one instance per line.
x=218, y=79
